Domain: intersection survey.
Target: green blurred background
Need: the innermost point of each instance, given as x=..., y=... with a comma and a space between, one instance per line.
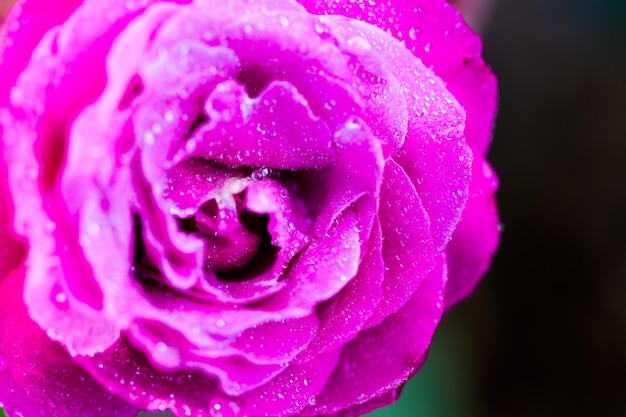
x=545, y=333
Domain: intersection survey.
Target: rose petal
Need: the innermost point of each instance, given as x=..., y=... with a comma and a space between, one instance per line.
x=294, y=389
x=323, y=268
x=12, y=251
x=476, y=89
x=169, y=108
x=408, y=250
x=277, y=129
x=177, y=255
x=476, y=237
x=168, y=351
x=257, y=344
x=260, y=344
x=127, y=373
x=25, y=25
x=342, y=317
x=58, y=276
x=435, y=154
x=37, y=377
x=435, y=32
x=382, y=358
x=357, y=173
x=288, y=40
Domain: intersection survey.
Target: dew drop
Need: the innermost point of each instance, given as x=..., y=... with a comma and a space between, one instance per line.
x=166, y=355
x=225, y=407
x=148, y=138
x=4, y=363
x=257, y=175
x=93, y=228
x=59, y=298
x=16, y=95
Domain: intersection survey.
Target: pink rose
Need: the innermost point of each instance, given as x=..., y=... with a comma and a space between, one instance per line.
x=235, y=207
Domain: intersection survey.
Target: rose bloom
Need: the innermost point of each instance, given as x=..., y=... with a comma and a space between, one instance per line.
x=235, y=207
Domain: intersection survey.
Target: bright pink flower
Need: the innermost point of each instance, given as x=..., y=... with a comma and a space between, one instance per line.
x=236, y=207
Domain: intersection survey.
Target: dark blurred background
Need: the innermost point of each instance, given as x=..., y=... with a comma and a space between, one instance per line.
x=545, y=334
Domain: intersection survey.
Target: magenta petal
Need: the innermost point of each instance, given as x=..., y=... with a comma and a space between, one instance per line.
x=276, y=129
x=435, y=32
x=60, y=289
x=60, y=293
x=37, y=377
x=356, y=176
x=260, y=344
x=127, y=373
x=342, y=317
x=435, y=154
x=382, y=358
x=257, y=345
x=476, y=237
x=25, y=25
x=476, y=89
x=294, y=389
x=177, y=255
x=12, y=251
x=408, y=252
x=326, y=265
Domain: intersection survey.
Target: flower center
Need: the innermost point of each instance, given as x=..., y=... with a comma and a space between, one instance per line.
x=238, y=245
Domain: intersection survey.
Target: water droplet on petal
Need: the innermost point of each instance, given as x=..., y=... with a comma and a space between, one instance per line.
x=59, y=298
x=93, y=228
x=4, y=363
x=257, y=175
x=225, y=407
x=148, y=138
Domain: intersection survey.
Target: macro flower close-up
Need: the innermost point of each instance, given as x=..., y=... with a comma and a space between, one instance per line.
x=235, y=207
